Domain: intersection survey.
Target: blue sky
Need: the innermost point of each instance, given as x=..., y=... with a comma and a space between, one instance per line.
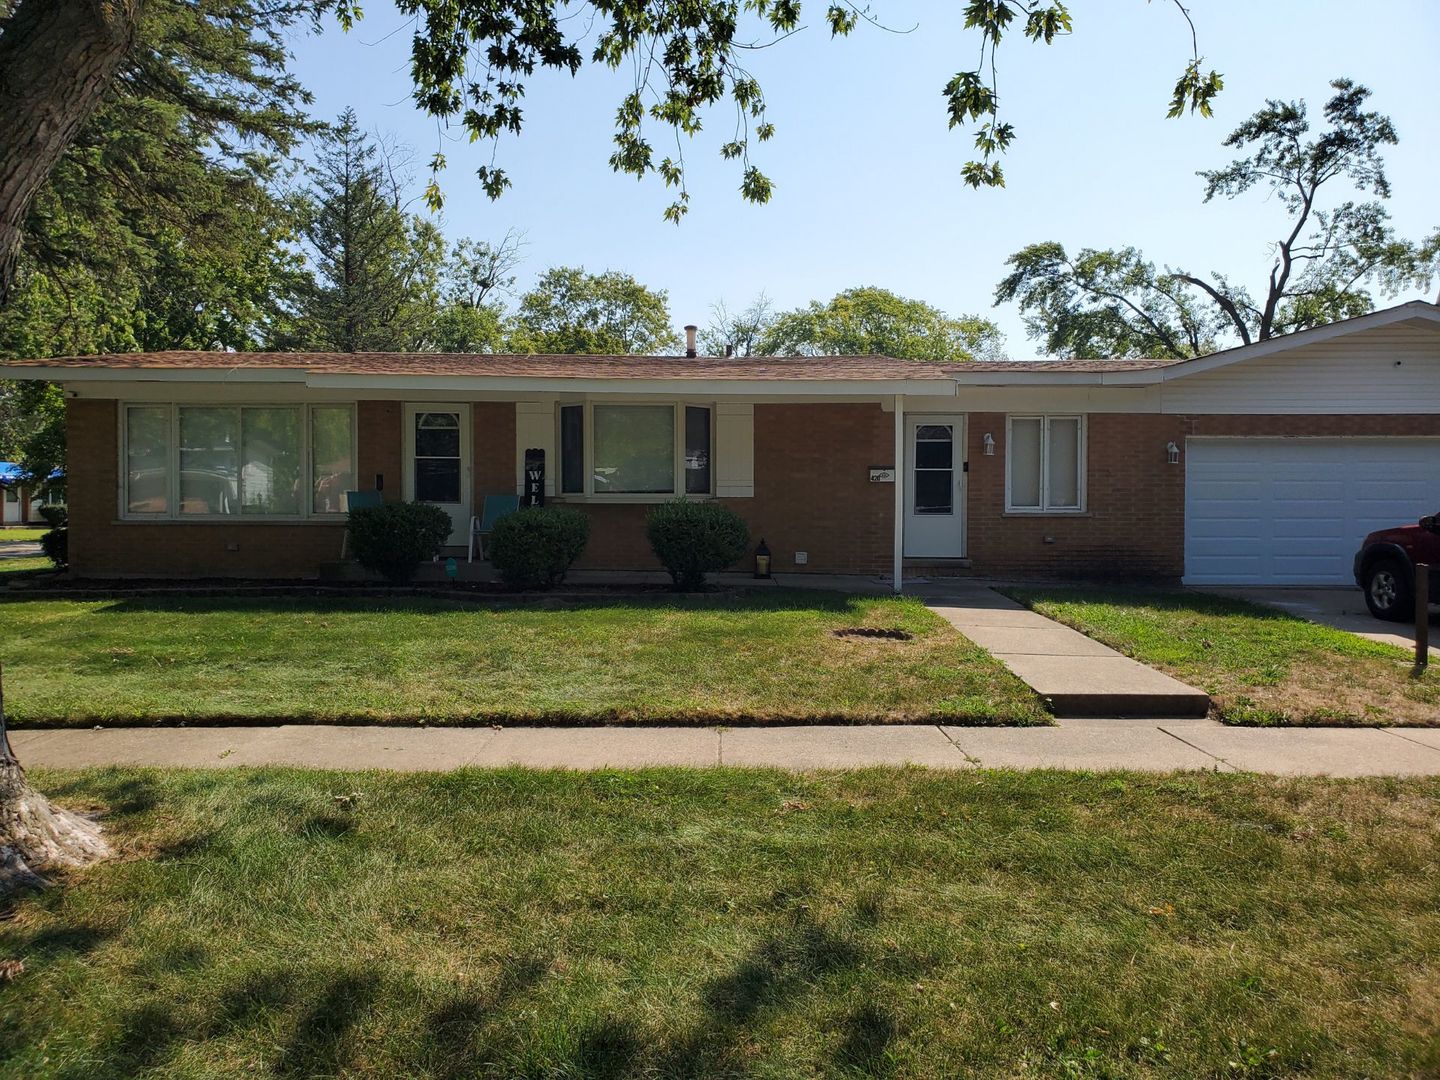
x=867, y=173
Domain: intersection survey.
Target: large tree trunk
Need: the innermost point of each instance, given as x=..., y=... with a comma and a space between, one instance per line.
x=35, y=836
x=57, y=58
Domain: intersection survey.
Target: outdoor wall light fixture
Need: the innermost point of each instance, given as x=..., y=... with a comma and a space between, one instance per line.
x=762, y=560
x=1172, y=453
x=989, y=442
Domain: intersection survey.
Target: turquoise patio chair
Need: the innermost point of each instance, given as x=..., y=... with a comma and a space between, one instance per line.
x=358, y=500
x=496, y=507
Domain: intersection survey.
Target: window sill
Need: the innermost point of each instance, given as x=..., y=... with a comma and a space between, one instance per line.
x=623, y=500
x=1046, y=514
x=339, y=519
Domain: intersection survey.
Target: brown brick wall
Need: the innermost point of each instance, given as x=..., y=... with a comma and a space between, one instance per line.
x=494, y=450
x=1314, y=426
x=812, y=493
x=380, y=448
x=103, y=546
x=1134, y=524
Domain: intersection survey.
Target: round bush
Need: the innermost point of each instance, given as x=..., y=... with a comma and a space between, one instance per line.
x=394, y=538
x=533, y=547
x=692, y=539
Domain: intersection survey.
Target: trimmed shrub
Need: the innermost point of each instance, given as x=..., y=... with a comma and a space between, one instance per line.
x=692, y=539
x=533, y=547
x=394, y=538
x=56, y=542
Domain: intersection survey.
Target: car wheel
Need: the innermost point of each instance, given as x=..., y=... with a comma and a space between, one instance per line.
x=1387, y=591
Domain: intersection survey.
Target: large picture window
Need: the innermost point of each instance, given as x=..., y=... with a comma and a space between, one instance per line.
x=624, y=450
x=256, y=461
x=1045, y=464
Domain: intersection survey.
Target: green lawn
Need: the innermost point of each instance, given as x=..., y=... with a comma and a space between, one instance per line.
x=723, y=923
x=22, y=535
x=706, y=659
x=1259, y=665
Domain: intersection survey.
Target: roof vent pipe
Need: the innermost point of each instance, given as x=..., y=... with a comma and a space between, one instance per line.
x=690, y=341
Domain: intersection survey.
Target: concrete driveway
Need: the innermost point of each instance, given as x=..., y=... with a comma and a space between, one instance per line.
x=1339, y=606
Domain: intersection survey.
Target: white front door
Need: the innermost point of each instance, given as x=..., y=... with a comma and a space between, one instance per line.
x=437, y=462
x=935, y=487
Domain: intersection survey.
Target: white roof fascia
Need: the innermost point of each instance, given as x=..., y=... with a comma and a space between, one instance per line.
x=200, y=375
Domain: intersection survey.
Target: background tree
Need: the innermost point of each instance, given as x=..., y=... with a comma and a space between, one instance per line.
x=738, y=332
x=570, y=311
x=471, y=318
x=1331, y=253
x=866, y=321
x=376, y=284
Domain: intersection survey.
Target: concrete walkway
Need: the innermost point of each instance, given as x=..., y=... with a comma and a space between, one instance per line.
x=1095, y=744
x=1076, y=674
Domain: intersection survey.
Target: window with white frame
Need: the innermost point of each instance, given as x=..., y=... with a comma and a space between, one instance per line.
x=626, y=450
x=253, y=461
x=1045, y=464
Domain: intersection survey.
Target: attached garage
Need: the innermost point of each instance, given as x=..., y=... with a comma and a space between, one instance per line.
x=1293, y=511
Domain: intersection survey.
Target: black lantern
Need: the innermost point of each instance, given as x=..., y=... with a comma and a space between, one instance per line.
x=762, y=560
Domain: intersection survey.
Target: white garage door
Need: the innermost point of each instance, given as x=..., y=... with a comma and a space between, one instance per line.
x=1293, y=511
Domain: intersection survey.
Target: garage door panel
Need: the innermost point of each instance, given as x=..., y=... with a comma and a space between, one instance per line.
x=1222, y=531
x=1294, y=511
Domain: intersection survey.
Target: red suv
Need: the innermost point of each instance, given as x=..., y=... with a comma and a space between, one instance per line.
x=1385, y=567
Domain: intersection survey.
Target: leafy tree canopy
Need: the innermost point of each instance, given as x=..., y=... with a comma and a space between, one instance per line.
x=472, y=59
x=1332, y=255
x=570, y=311
x=868, y=320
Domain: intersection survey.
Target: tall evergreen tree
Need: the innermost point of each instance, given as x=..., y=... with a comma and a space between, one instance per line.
x=376, y=268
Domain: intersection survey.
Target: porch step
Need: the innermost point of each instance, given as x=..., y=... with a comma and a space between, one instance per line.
x=937, y=567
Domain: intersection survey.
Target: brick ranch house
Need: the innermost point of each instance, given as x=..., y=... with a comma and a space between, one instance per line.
x=1260, y=464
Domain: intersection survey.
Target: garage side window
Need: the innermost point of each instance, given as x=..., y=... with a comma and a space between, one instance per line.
x=1045, y=464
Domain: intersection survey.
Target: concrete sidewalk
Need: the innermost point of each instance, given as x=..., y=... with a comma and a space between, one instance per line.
x=1076, y=674
x=1094, y=744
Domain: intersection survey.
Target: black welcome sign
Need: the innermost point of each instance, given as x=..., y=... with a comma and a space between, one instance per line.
x=534, y=477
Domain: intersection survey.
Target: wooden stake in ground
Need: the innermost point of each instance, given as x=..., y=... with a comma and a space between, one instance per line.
x=1422, y=617
x=35, y=836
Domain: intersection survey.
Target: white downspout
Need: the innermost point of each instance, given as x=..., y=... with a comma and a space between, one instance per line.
x=899, y=551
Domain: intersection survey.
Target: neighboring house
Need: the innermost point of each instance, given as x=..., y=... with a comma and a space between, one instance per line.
x=19, y=505
x=1262, y=464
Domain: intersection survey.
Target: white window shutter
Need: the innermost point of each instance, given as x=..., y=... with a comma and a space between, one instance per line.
x=735, y=451
x=535, y=427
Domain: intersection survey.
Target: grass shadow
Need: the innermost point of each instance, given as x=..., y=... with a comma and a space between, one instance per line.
x=757, y=600
x=320, y=1044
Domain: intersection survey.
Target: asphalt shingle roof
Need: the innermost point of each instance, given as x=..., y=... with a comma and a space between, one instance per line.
x=575, y=367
